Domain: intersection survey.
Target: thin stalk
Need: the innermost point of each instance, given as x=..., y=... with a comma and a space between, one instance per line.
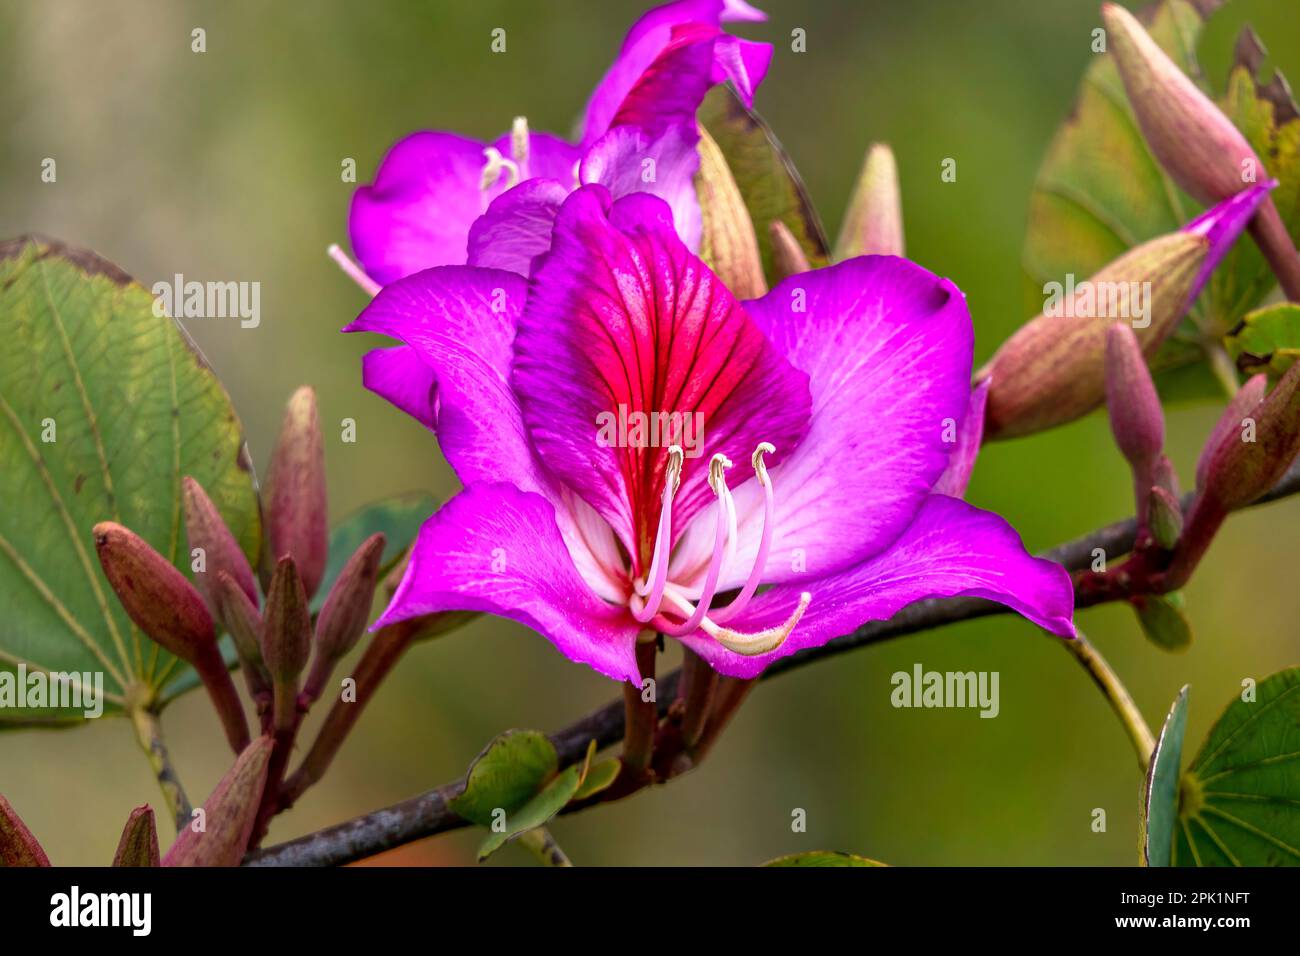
x=148, y=733
x=542, y=845
x=1117, y=695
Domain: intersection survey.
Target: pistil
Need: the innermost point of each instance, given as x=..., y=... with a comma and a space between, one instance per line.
x=649, y=593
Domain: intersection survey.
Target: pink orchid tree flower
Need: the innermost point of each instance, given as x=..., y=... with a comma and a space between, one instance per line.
x=798, y=495
x=432, y=186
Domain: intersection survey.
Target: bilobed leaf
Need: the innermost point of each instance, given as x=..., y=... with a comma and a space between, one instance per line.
x=1239, y=801
x=104, y=407
x=1267, y=340
x=823, y=858
x=399, y=518
x=1160, y=797
x=767, y=179
x=512, y=769
x=1100, y=192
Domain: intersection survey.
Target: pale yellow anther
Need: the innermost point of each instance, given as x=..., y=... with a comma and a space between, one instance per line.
x=717, y=476
x=492, y=168
x=675, y=459
x=760, y=467
x=519, y=140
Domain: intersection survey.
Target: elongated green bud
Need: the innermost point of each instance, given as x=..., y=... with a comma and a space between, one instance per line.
x=727, y=239
x=873, y=222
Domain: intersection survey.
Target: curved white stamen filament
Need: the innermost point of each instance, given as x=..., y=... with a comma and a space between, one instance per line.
x=765, y=542
x=657, y=576
x=353, y=271
x=718, y=482
x=758, y=642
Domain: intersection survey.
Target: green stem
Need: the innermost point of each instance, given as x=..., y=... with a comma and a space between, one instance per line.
x=1121, y=701
x=542, y=845
x=148, y=733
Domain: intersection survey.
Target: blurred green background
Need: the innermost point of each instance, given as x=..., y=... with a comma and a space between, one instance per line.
x=225, y=165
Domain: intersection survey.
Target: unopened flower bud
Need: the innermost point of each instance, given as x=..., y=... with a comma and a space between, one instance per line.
x=138, y=845
x=245, y=626
x=873, y=221
x=156, y=596
x=1232, y=421
x=1192, y=138
x=1052, y=370
x=171, y=612
x=788, y=257
x=347, y=609
x=221, y=552
x=1196, y=144
x=286, y=625
x=229, y=814
x=727, y=239
x=1250, y=459
x=1136, y=418
x=294, y=492
x=18, y=847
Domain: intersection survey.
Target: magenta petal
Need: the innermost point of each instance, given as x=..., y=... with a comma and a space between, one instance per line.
x=1222, y=224
x=950, y=549
x=418, y=211
x=887, y=349
x=517, y=226
x=623, y=319
x=627, y=160
x=668, y=62
x=967, y=447
x=401, y=376
x=744, y=63
x=460, y=322
x=496, y=549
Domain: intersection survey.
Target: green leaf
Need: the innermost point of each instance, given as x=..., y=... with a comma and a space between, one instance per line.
x=510, y=771
x=537, y=811
x=600, y=777
x=1100, y=192
x=1267, y=340
x=398, y=518
x=1239, y=801
x=767, y=179
x=823, y=858
x=1164, y=621
x=104, y=407
x=1160, y=800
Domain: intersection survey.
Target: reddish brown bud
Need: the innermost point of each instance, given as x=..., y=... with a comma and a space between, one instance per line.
x=167, y=607
x=228, y=815
x=294, y=491
x=286, y=626
x=17, y=845
x=220, y=551
x=1232, y=421
x=347, y=609
x=1136, y=418
x=139, y=843
x=245, y=625
x=1250, y=459
x=154, y=594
